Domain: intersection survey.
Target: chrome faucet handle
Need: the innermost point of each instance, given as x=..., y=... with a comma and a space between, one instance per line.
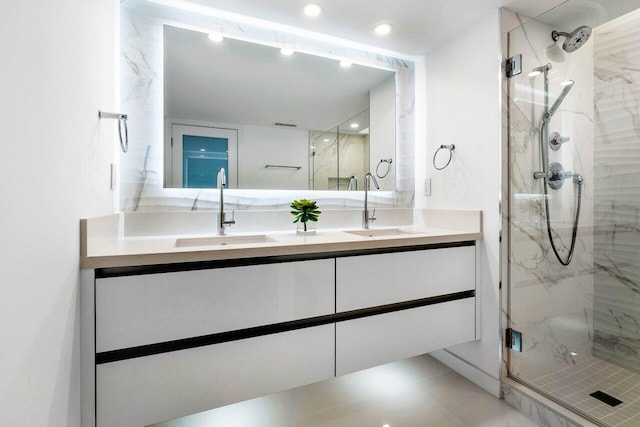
x=556, y=141
x=232, y=221
x=373, y=215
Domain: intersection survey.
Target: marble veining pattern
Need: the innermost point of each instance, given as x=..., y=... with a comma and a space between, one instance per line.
x=141, y=169
x=351, y=154
x=550, y=304
x=617, y=192
x=580, y=324
x=535, y=410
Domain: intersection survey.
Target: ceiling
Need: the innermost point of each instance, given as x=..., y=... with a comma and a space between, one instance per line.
x=418, y=25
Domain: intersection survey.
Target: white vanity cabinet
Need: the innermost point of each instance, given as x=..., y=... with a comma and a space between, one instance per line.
x=152, y=308
x=142, y=314
x=147, y=390
x=164, y=341
x=375, y=340
x=423, y=277
x=374, y=280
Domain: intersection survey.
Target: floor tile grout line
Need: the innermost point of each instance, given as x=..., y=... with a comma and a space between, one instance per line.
x=593, y=374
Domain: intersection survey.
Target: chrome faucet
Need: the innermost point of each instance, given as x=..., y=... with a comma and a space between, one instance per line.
x=366, y=219
x=352, y=180
x=222, y=220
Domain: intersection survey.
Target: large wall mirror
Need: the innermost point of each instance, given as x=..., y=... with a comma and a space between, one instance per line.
x=272, y=121
x=283, y=127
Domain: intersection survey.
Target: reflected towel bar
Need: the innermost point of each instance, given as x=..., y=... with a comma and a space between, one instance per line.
x=283, y=167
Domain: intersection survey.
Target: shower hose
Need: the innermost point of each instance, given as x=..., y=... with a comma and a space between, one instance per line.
x=578, y=180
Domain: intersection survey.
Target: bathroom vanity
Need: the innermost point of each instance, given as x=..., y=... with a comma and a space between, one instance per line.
x=175, y=325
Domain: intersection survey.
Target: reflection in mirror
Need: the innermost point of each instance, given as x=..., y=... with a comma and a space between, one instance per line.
x=340, y=157
x=272, y=121
x=144, y=182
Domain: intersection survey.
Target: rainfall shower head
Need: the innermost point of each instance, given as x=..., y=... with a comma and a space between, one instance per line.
x=574, y=40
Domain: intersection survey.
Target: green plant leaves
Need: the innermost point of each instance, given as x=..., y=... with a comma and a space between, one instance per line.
x=304, y=210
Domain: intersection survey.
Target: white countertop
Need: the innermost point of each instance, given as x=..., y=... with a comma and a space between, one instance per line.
x=103, y=246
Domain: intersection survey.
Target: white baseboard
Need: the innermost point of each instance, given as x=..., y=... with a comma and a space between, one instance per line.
x=469, y=371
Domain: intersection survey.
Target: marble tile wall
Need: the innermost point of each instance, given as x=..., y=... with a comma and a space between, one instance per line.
x=549, y=303
x=617, y=192
x=141, y=81
x=352, y=156
x=537, y=410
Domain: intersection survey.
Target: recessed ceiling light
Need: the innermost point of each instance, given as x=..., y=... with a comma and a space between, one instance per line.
x=312, y=9
x=326, y=140
x=354, y=125
x=215, y=37
x=202, y=149
x=382, y=29
x=345, y=63
x=286, y=51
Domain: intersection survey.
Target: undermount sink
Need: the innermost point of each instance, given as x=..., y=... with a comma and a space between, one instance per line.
x=380, y=232
x=223, y=240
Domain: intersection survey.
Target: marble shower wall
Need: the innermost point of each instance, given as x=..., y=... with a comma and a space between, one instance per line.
x=352, y=158
x=141, y=81
x=549, y=303
x=617, y=192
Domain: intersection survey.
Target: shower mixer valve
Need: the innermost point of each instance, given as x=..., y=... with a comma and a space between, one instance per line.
x=556, y=141
x=556, y=175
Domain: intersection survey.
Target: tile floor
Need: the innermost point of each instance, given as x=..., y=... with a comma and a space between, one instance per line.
x=574, y=384
x=411, y=393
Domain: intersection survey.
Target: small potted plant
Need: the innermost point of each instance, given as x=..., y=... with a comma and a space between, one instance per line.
x=305, y=211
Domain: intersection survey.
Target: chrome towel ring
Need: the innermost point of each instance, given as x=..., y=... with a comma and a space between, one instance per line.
x=122, y=121
x=442, y=147
x=386, y=169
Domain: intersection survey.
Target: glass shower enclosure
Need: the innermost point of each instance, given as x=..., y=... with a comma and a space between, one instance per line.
x=573, y=268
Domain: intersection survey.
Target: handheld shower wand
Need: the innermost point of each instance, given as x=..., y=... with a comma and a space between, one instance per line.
x=565, y=91
x=553, y=175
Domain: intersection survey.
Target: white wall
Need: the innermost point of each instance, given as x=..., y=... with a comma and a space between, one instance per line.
x=57, y=71
x=260, y=145
x=463, y=108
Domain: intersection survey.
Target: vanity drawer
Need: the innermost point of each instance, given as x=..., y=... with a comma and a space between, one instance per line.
x=145, y=309
x=373, y=280
x=147, y=390
x=371, y=341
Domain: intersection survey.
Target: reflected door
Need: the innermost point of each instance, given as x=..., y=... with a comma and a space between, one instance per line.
x=198, y=153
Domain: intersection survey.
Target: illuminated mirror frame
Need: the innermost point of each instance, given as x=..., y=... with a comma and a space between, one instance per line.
x=141, y=91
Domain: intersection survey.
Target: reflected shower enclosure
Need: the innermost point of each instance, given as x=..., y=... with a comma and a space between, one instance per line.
x=340, y=157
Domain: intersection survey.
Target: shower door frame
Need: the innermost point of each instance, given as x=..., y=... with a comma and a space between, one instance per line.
x=505, y=236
